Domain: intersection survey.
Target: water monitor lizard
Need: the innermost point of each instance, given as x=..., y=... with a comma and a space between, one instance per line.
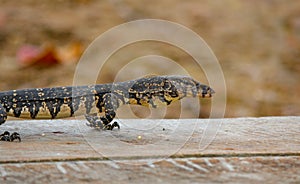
x=94, y=100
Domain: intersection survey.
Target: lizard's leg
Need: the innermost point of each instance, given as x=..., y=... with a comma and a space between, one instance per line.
x=6, y=136
x=105, y=122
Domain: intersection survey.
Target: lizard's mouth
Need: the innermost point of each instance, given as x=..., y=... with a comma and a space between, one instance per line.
x=208, y=93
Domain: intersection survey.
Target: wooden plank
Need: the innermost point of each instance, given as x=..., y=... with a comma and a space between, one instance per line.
x=184, y=170
x=72, y=140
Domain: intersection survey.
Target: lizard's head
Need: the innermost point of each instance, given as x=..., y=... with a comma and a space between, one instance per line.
x=188, y=87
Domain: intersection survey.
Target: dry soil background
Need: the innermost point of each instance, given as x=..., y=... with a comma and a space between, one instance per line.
x=257, y=43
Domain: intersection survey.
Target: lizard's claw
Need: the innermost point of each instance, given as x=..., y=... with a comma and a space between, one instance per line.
x=15, y=136
x=10, y=138
x=112, y=126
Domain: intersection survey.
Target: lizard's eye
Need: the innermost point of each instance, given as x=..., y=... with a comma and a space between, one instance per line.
x=167, y=85
x=173, y=93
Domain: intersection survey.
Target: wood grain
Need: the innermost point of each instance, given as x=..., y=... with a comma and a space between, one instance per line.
x=242, y=150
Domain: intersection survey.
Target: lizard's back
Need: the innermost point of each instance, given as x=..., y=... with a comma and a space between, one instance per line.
x=57, y=102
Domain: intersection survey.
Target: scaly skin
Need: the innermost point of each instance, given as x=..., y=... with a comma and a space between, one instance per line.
x=91, y=101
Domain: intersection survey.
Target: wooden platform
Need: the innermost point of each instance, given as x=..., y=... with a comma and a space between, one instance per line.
x=244, y=150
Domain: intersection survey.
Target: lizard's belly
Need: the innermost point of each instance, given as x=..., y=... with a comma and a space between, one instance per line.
x=64, y=111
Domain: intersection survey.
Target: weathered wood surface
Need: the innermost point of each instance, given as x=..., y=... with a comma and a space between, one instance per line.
x=244, y=150
x=184, y=170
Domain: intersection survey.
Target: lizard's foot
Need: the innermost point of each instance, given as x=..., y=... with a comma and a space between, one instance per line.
x=111, y=126
x=94, y=122
x=97, y=123
x=6, y=136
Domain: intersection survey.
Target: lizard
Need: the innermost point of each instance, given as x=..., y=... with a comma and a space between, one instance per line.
x=93, y=101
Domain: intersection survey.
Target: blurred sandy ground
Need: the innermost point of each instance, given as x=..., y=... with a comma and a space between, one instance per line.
x=257, y=43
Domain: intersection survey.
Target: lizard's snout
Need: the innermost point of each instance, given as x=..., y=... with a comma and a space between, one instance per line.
x=207, y=92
